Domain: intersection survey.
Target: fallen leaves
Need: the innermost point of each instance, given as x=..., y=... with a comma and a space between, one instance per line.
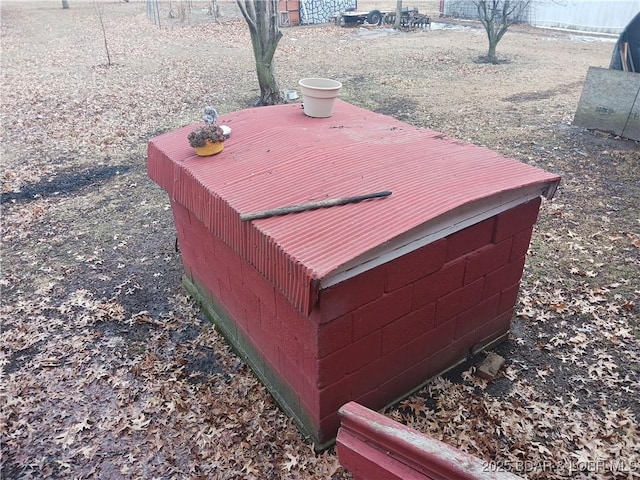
x=139, y=423
x=290, y=463
x=126, y=413
x=110, y=371
x=583, y=273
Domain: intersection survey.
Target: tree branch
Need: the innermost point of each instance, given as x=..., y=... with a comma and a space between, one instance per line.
x=250, y=17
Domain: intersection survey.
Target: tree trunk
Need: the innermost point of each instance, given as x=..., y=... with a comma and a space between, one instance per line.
x=214, y=9
x=65, y=4
x=262, y=18
x=493, y=41
x=491, y=53
x=100, y=13
x=269, y=88
x=398, y=19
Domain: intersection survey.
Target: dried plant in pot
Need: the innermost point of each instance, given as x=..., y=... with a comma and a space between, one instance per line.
x=208, y=139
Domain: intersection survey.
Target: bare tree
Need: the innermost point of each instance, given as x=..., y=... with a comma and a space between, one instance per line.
x=497, y=16
x=262, y=18
x=100, y=13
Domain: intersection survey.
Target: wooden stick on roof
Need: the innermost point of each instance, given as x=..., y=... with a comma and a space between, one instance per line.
x=303, y=207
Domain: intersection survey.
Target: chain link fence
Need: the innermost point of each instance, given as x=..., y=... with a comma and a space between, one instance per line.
x=163, y=12
x=468, y=10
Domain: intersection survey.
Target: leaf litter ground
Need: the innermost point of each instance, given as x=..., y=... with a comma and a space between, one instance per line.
x=110, y=371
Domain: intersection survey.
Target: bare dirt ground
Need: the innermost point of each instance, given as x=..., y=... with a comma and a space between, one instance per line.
x=110, y=371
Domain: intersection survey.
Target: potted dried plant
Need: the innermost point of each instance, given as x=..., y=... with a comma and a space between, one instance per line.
x=209, y=138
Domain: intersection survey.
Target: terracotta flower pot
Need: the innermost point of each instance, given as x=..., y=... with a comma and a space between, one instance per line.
x=210, y=148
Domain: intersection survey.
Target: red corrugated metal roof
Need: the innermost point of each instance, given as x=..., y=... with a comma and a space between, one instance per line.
x=276, y=156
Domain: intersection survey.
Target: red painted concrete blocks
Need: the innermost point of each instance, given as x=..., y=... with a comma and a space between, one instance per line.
x=364, y=341
x=374, y=447
x=362, y=302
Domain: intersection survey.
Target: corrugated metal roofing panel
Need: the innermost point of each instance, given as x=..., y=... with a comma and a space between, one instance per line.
x=278, y=157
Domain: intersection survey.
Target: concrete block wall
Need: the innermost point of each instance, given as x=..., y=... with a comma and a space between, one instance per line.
x=373, y=338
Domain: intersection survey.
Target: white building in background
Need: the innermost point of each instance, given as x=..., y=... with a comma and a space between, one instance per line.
x=604, y=16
